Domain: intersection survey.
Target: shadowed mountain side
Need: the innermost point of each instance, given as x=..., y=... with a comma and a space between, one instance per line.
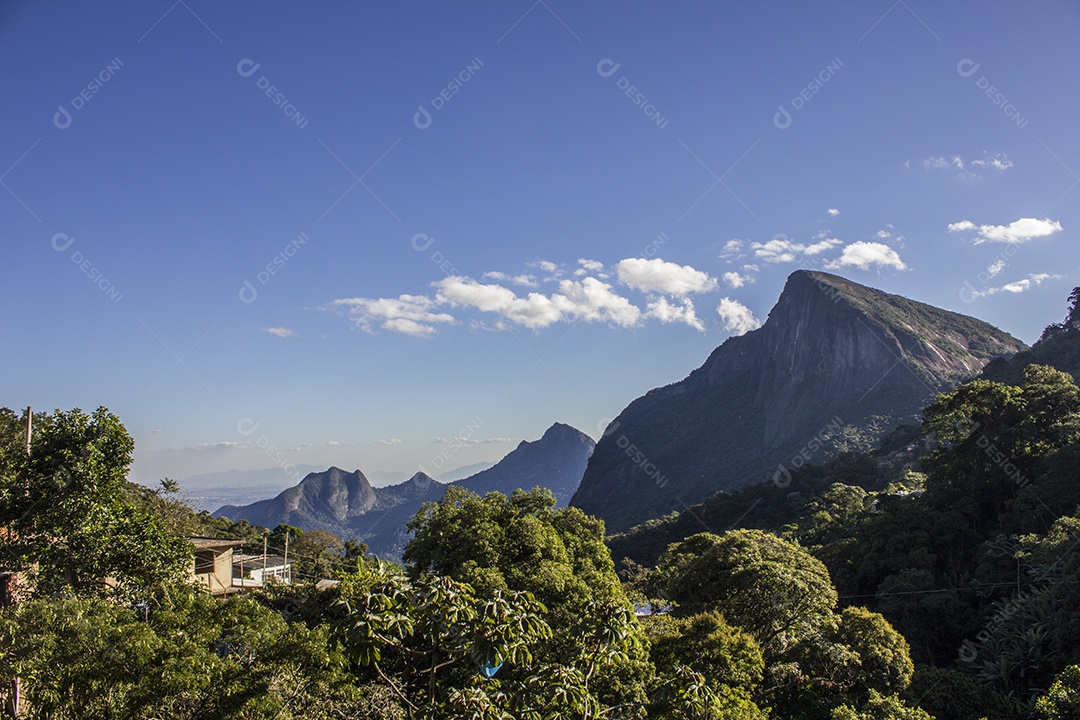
x=835, y=367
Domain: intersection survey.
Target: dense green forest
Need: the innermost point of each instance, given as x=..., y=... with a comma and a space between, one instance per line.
x=936, y=576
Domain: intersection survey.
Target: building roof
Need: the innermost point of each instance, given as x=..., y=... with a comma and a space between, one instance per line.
x=203, y=543
x=255, y=562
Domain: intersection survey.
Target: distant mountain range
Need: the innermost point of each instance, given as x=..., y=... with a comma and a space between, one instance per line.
x=836, y=366
x=346, y=503
x=241, y=487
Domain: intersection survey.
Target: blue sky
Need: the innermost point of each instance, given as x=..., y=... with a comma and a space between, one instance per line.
x=348, y=233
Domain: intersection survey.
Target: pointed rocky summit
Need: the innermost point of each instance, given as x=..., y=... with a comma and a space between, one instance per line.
x=836, y=366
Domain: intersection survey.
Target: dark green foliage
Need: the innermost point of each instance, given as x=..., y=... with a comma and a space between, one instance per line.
x=73, y=524
x=768, y=506
x=953, y=695
x=772, y=589
x=707, y=644
x=1059, y=347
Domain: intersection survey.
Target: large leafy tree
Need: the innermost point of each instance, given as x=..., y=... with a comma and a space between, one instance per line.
x=817, y=660
x=523, y=544
x=771, y=588
x=71, y=520
x=447, y=651
x=727, y=660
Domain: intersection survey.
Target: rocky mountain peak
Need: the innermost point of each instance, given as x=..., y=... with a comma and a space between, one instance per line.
x=835, y=366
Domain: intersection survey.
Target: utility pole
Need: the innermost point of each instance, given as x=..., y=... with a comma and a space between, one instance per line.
x=7, y=593
x=287, y=548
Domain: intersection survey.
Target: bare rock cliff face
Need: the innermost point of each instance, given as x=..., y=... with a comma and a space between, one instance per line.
x=836, y=366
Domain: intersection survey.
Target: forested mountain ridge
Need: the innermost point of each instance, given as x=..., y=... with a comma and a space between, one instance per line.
x=835, y=367
x=1059, y=347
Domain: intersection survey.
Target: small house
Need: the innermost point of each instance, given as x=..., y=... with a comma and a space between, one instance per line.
x=213, y=566
x=260, y=568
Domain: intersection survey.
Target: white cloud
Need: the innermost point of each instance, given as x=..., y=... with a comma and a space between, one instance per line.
x=735, y=280
x=737, y=318
x=1029, y=282
x=593, y=300
x=523, y=280
x=833, y=211
x=999, y=161
x=935, y=163
x=589, y=299
x=751, y=268
x=473, y=441
x=972, y=170
x=884, y=234
x=534, y=311
x=391, y=441
x=546, y=265
x=279, y=331
x=1018, y=286
x=409, y=314
x=995, y=268
x=214, y=447
x=864, y=254
x=782, y=249
x=1016, y=232
x=733, y=249
x=583, y=297
x=658, y=275
x=408, y=327
x=667, y=312
x=777, y=250
x=820, y=247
